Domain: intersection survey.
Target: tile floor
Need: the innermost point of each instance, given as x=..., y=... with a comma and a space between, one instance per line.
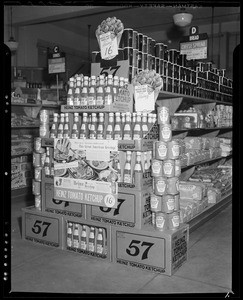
x=37, y=268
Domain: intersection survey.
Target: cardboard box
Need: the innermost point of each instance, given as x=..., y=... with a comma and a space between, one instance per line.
x=49, y=204
x=106, y=229
x=133, y=210
x=42, y=227
x=162, y=252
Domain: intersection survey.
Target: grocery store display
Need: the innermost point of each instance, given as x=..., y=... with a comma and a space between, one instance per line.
x=114, y=177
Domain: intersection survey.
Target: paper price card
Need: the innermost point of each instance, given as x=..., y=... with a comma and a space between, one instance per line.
x=144, y=98
x=108, y=46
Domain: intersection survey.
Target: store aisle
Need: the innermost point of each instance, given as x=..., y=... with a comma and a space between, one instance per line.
x=37, y=268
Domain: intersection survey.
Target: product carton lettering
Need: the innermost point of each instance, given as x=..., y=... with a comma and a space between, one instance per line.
x=151, y=250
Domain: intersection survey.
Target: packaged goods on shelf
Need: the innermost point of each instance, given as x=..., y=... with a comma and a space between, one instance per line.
x=21, y=146
x=21, y=159
x=19, y=167
x=21, y=179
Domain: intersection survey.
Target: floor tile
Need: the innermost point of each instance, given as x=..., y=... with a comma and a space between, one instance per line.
x=61, y=271
x=162, y=284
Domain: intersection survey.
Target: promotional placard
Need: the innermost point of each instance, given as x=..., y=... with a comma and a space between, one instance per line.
x=86, y=176
x=144, y=98
x=195, y=46
x=120, y=70
x=108, y=45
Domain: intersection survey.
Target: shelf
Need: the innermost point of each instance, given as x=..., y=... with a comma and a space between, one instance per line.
x=23, y=154
x=25, y=126
x=36, y=105
x=210, y=211
x=205, y=161
x=202, y=129
x=20, y=192
x=168, y=95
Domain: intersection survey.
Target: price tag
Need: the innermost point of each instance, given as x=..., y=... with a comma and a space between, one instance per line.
x=144, y=98
x=40, y=228
x=108, y=46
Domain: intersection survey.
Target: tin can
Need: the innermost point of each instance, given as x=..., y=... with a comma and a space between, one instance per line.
x=168, y=204
x=36, y=187
x=144, y=63
x=135, y=40
x=173, y=56
x=38, y=202
x=127, y=38
x=165, y=132
x=161, y=150
x=145, y=44
x=36, y=159
x=37, y=145
x=128, y=55
x=44, y=116
x=44, y=130
x=38, y=174
x=161, y=72
x=163, y=115
x=140, y=42
x=155, y=202
x=174, y=220
x=161, y=221
x=139, y=60
x=173, y=149
x=177, y=202
x=172, y=185
x=159, y=184
x=96, y=58
x=177, y=167
x=159, y=50
x=169, y=168
x=156, y=168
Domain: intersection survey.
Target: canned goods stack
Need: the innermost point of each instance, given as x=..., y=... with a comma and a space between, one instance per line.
x=44, y=124
x=39, y=156
x=166, y=169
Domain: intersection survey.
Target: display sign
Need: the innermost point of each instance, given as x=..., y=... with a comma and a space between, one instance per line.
x=56, y=62
x=42, y=229
x=195, y=46
x=108, y=45
x=144, y=98
x=120, y=70
x=83, y=171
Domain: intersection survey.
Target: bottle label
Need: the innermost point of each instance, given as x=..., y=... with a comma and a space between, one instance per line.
x=66, y=135
x=108, y=99
x=84, y=101
x=117, y=136
x=127, y=136
x=52, y=135
x=109, y=136
x=76, y=101
x=100, y=100
x=69, y=242
x=100, y=249
x=136, y=136
x=127, y=178
x=74, y=135
x=164, y=115
x=47, y=170
x=170, y=204
x=91, y=100
x=83, y=245
x=75, y=242
x=59, y=135
x=100, y=136
x=91, y=247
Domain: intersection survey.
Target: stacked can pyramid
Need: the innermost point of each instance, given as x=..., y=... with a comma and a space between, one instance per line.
x=166, y=169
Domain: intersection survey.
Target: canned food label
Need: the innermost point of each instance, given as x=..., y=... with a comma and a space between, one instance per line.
x=156, y=167
x=170, y=204
x=162, y=150
x=164, y=115
x=166, y=132
x=43, y=131
x=161, y=185
x=175, y=221
x=168, y=167
x=154, y=202
x=175, y=150
x=160, y=222
x=37, y=143
x=38, y=202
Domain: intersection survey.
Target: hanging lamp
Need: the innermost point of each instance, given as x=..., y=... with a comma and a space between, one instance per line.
x=12, y=44
x=182, y=18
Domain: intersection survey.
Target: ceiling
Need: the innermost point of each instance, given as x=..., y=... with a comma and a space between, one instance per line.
x=143, y=18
